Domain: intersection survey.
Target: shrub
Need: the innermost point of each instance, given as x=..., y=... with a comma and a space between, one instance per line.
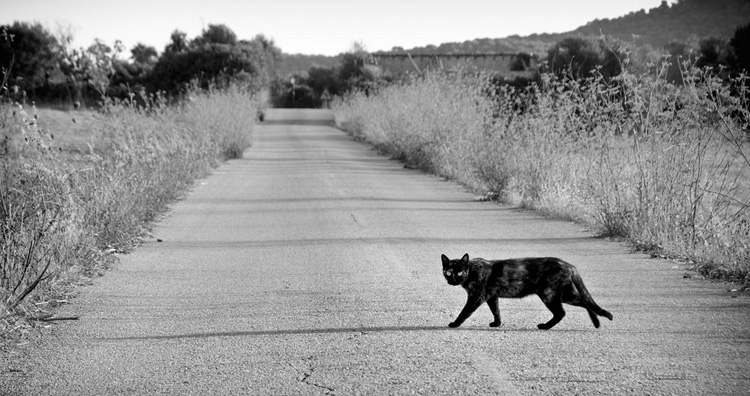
x=665, y=166
x=427, y=123
x=62, y=212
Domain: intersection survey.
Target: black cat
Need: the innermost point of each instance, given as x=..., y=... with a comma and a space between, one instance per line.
x=552, y=279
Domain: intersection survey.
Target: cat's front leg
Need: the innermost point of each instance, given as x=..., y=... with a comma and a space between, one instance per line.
x=471, y=305
x=492, y=302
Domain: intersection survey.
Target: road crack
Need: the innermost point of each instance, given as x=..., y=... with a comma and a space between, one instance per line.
x=304, y=376
x=356, y=221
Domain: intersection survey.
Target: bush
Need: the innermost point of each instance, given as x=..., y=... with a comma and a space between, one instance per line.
x=427, y=123
x=62, y=212
x=578, y=58
x=665, y=166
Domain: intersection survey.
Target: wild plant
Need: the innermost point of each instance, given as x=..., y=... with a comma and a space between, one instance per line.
x=665, y=166
x=63, y=213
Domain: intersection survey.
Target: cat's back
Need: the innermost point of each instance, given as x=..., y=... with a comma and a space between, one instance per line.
x=481, y=266
x=528, y=266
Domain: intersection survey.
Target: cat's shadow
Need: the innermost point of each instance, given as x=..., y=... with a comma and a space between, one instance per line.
x=352, y=330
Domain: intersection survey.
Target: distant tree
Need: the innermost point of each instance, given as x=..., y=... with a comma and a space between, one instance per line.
x=29, y=52
x=614, y=55
x=131, y=76
x=739, y=47
x=215, y=57
x=679, y=52
x=265, y=54
x=302, y=96
x=575, y=57
x=179, y=42
x=322, y=79
x=207, y=64
x=578, y=57
x=101, y=60
x=216, y=34
x=144, y=54
x=520, y=62
x=351, y=70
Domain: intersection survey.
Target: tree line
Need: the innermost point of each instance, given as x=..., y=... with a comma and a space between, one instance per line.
x=44, y=67
x=574, y=57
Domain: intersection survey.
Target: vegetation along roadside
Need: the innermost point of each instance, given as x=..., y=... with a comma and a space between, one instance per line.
x=635, y=155
x=67, y=208
x=80, y=184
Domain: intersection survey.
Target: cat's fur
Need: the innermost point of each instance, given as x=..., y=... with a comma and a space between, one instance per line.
x=552, y=279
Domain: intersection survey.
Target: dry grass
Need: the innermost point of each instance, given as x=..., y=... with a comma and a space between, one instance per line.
x=73, y=192
x=664, y=166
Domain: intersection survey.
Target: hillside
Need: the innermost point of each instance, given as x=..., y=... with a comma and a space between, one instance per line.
x=685, y=20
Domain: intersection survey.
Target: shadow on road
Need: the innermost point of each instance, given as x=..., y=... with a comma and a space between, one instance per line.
x=310, y=331
x=300, y=122
x=212, y=244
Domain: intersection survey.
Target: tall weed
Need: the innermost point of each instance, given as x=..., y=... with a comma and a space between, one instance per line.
x=62, y=212
x=664, y=166
x=427, y=123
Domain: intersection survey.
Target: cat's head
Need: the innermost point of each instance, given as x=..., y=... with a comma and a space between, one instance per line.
x=455, y=271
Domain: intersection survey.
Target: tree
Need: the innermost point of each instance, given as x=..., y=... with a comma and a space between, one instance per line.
x=216, y=34
x=678, y=52
x=215, y=57
x=92, y=68
x=521, y=62
x=575, y=57
x=265, y=55
x=352, y=73
x=130, y=76
x=30, y=50
x=144, y=54
x=179, y=42
x=739, y=46
x=322, y=79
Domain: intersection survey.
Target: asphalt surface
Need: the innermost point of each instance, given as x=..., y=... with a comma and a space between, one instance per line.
x=312, y=266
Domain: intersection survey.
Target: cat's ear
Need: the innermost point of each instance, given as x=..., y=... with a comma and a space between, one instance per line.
x=445, y=259
x=465, y=258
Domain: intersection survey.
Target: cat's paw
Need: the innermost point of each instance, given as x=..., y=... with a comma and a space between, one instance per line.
x=495, y=324
x=454, y=324
x=543, y=326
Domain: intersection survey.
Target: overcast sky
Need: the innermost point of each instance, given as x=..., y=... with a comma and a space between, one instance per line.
x=326, y=27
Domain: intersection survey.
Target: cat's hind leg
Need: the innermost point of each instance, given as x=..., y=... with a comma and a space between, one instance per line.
x=492, y=302
x=577, y=294
x=573, y=297
x=553, y=301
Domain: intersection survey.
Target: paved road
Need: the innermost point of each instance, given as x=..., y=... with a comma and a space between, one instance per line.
x=312, y=266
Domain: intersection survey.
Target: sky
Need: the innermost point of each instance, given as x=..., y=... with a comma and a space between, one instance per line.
x=322, y=27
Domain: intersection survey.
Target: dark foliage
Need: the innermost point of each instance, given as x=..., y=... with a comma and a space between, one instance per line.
x=685, y=20
x=295, y=97
x=739, y=45
x=216, y=34
x=205, y=63
x=578, y=58
x=29, y=53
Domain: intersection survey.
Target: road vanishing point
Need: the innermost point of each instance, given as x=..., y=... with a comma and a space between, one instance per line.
x=312, y=267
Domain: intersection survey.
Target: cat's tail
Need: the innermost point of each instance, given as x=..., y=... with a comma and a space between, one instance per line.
x=591, y=306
